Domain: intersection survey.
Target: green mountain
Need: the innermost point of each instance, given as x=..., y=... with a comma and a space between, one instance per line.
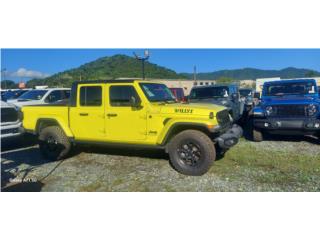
x=117, y=66
x=252, y=73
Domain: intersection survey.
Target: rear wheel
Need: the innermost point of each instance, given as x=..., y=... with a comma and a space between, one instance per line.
x=53, y=143
x=191, y=152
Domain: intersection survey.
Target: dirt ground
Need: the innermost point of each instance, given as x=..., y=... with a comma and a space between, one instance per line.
x=285, y=164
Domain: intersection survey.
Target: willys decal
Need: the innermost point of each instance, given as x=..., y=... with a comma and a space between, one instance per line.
x=183, y=110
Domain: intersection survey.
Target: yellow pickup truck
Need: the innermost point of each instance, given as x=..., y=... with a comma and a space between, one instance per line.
x=136, y=113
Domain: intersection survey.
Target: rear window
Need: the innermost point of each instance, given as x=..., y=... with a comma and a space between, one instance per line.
x=91, y=96
x=209, y=92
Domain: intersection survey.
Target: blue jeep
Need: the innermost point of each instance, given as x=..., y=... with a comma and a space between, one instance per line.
x=290, y=107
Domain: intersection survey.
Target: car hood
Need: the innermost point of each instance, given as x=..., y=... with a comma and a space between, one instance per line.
x=191, y=108
x=288, y=100
x=6, y=105
x=25, y=103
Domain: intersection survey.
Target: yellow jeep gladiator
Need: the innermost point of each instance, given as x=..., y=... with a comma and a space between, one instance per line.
x=133, y=112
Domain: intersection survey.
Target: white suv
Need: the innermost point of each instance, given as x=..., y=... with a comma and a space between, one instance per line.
x=10, y=121
x=41, y=96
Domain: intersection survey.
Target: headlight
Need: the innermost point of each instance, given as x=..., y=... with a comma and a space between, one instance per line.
x=268, y=110
x=311, y=110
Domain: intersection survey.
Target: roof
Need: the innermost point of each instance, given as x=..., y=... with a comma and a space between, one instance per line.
x=217, y=85
x=290, y=81
x=108, y=81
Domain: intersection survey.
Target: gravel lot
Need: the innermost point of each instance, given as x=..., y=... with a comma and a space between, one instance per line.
x=286, y=164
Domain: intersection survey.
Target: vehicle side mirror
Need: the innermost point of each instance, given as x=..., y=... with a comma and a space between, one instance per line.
x=257, y=95
x=135, y=102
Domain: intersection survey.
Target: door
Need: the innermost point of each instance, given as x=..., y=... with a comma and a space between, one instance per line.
x=124, y=122
x=87, y=119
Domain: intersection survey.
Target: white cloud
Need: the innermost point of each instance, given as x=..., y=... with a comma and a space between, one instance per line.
x=22, y=72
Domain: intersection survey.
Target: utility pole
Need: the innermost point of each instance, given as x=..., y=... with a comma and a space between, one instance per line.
x=3, y=71
x=195, y=73
x=142, y=59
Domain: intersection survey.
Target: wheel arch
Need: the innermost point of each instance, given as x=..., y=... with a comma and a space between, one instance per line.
x=47, y=122
x=179, y=127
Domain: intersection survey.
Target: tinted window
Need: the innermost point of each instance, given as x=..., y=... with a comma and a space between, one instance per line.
x=33, y=95
x=209, y=92
x=289, y=88
x=54, y=96
x=121, y=95
x=91, y=96
x=156, y=92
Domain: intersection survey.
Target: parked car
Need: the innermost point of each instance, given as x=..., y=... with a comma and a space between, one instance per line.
x=290, y=107
x=137, y=113
x=10, y=121
x=179, y=94
x=225, y=95
x=41, y=96
x=13, y=94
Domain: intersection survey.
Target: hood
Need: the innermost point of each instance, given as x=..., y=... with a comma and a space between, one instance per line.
x=290, y=100
x=191, y=108
x=25, y=103
x=7, y=105
x=219, y=101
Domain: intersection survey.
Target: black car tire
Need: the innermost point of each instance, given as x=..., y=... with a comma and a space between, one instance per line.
x=257, y=135
x=53, y=143
x=199, y=151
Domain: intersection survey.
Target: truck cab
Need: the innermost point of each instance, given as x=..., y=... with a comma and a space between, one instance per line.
x=290, y=107
x=134, y=113
x=224, y=95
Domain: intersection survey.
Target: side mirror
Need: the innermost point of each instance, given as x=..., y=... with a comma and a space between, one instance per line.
x=134, y=102
x=257, y=95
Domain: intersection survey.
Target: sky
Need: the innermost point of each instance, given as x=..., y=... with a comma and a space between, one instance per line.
x=24, y=64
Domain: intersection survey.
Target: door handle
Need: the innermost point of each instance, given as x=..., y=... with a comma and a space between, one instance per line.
x=83, y=114
x=112, y=115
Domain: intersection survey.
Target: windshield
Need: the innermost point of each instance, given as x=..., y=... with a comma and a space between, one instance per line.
x=245, y=92
x=157, y=92
x=209, y=92
x=33, y=95
x=290, y=88
x=13, y=94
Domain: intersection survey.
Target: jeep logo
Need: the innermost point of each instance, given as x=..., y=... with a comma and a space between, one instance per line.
x=183, y=110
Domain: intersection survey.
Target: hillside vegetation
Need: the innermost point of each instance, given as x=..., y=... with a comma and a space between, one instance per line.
x=117, y=66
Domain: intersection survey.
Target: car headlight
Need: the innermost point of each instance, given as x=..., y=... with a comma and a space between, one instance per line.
x=269, y=110
x=311, y=110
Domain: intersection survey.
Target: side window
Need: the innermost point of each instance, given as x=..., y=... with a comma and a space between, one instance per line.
x=53, y=96
x=120, y=95
x=66, y=94
x=91, y=96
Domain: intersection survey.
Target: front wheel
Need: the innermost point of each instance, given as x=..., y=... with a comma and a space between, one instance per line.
x=191, y=152
x=257, y=135
x=53, y=143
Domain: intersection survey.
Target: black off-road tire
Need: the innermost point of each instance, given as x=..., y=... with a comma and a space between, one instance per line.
x=54, y=144
x=199, y=141
x=257, y=135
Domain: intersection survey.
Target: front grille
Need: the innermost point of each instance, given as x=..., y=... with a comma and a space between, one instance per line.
x=289, y=110
x=10, y=130
x=9, y=115
x=223, y=118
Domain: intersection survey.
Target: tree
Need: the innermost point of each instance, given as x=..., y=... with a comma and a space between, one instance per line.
x=311, y=74
x=225, y=80
x=8, y=84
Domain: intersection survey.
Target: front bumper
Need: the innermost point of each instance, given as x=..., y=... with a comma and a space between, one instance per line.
x=301, y=124
x=11, y=130
x=230, y=137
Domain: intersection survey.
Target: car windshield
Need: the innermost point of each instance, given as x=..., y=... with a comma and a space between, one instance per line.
x=13, y=94
x=156, y=92
x=209, y=92
x=33, y=95
x=245, y=92
x=290, y=88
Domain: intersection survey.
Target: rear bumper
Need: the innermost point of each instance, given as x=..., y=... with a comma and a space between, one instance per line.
x=230, y=137
x=11, y=130
x=297, y=125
